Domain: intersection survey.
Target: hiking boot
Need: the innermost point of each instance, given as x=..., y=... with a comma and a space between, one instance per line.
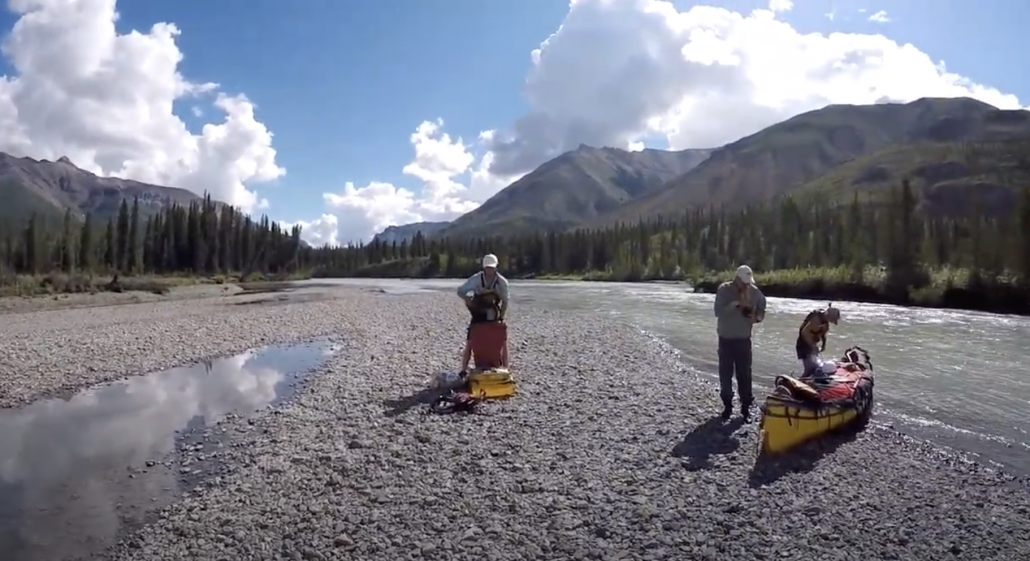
x=727, y=411
x=745, y=412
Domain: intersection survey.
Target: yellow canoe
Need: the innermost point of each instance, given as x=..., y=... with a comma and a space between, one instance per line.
x=787, y=423
x=798, y=412
x=495, y=383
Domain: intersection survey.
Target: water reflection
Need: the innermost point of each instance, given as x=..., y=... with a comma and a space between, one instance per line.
x=64, y=483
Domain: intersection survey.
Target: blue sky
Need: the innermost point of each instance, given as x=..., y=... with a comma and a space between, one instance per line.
x=342, y=85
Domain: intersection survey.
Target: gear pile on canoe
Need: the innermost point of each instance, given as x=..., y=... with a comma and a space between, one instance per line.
x=464, y=391
x=837, y=395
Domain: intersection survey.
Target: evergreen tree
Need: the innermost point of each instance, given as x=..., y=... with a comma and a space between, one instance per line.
x=30, y=245
x=110, y=247
x=86, y=250
x=123, y=240
x=67, y=242
x=207, y=237
x=134, y=262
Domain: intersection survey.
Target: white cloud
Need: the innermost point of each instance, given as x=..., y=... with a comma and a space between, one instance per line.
x=452, y=183
x=880, y=17
x=318, y=232
x=620, y=71
x=105, y=101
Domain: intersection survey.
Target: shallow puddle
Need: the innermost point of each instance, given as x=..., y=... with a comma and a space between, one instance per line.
x=74, y=472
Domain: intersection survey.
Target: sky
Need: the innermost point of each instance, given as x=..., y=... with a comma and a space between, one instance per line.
x=347, y=117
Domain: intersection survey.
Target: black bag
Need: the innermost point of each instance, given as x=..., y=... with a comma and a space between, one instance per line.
x=455, y=402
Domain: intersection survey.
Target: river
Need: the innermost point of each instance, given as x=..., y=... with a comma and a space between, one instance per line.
x=951, y=377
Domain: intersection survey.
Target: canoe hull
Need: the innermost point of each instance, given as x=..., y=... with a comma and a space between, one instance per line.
x=787, y=424
x=494, y=383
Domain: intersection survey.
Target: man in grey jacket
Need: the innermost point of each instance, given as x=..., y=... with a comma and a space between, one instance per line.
x=739, y=305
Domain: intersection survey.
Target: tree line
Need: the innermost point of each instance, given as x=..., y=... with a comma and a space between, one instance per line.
x=208, y=238
x=203, y=238
x=790, y=233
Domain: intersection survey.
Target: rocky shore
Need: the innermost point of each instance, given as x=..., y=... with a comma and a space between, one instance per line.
x=609, y=452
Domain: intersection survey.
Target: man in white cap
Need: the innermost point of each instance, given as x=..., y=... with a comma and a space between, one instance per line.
x=486, y=296
x=739, y=305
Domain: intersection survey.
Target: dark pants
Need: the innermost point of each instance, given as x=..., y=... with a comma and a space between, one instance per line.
x=808, y=355
x=735, y=359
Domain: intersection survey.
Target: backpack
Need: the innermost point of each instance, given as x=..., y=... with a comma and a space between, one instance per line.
x=486, y=300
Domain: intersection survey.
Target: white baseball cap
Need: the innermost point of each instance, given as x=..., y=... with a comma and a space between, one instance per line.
x=490, y=260
x=745, y=274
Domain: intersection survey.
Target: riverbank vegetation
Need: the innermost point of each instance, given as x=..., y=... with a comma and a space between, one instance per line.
x=940, y=288
x=205, y=242
x=880, y=249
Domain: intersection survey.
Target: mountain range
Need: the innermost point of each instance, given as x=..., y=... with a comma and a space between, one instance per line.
x=51, y=188
x=408, y=231
x=960, y=153
x=951, y=148
x=575, y=188
x=862, y=147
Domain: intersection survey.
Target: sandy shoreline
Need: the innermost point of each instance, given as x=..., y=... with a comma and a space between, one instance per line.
x=606, y=454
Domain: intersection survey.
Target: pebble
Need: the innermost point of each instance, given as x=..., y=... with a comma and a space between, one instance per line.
x=608, y=452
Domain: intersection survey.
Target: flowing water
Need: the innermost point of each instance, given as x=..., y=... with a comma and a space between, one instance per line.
x=953, y=377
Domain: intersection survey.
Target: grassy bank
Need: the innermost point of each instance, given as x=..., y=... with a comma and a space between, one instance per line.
x=424, y=268
x=61, y=283
x=947, y=288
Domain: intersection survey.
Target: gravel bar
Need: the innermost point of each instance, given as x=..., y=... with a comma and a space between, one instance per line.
x=54, y=352
x=609, y=452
